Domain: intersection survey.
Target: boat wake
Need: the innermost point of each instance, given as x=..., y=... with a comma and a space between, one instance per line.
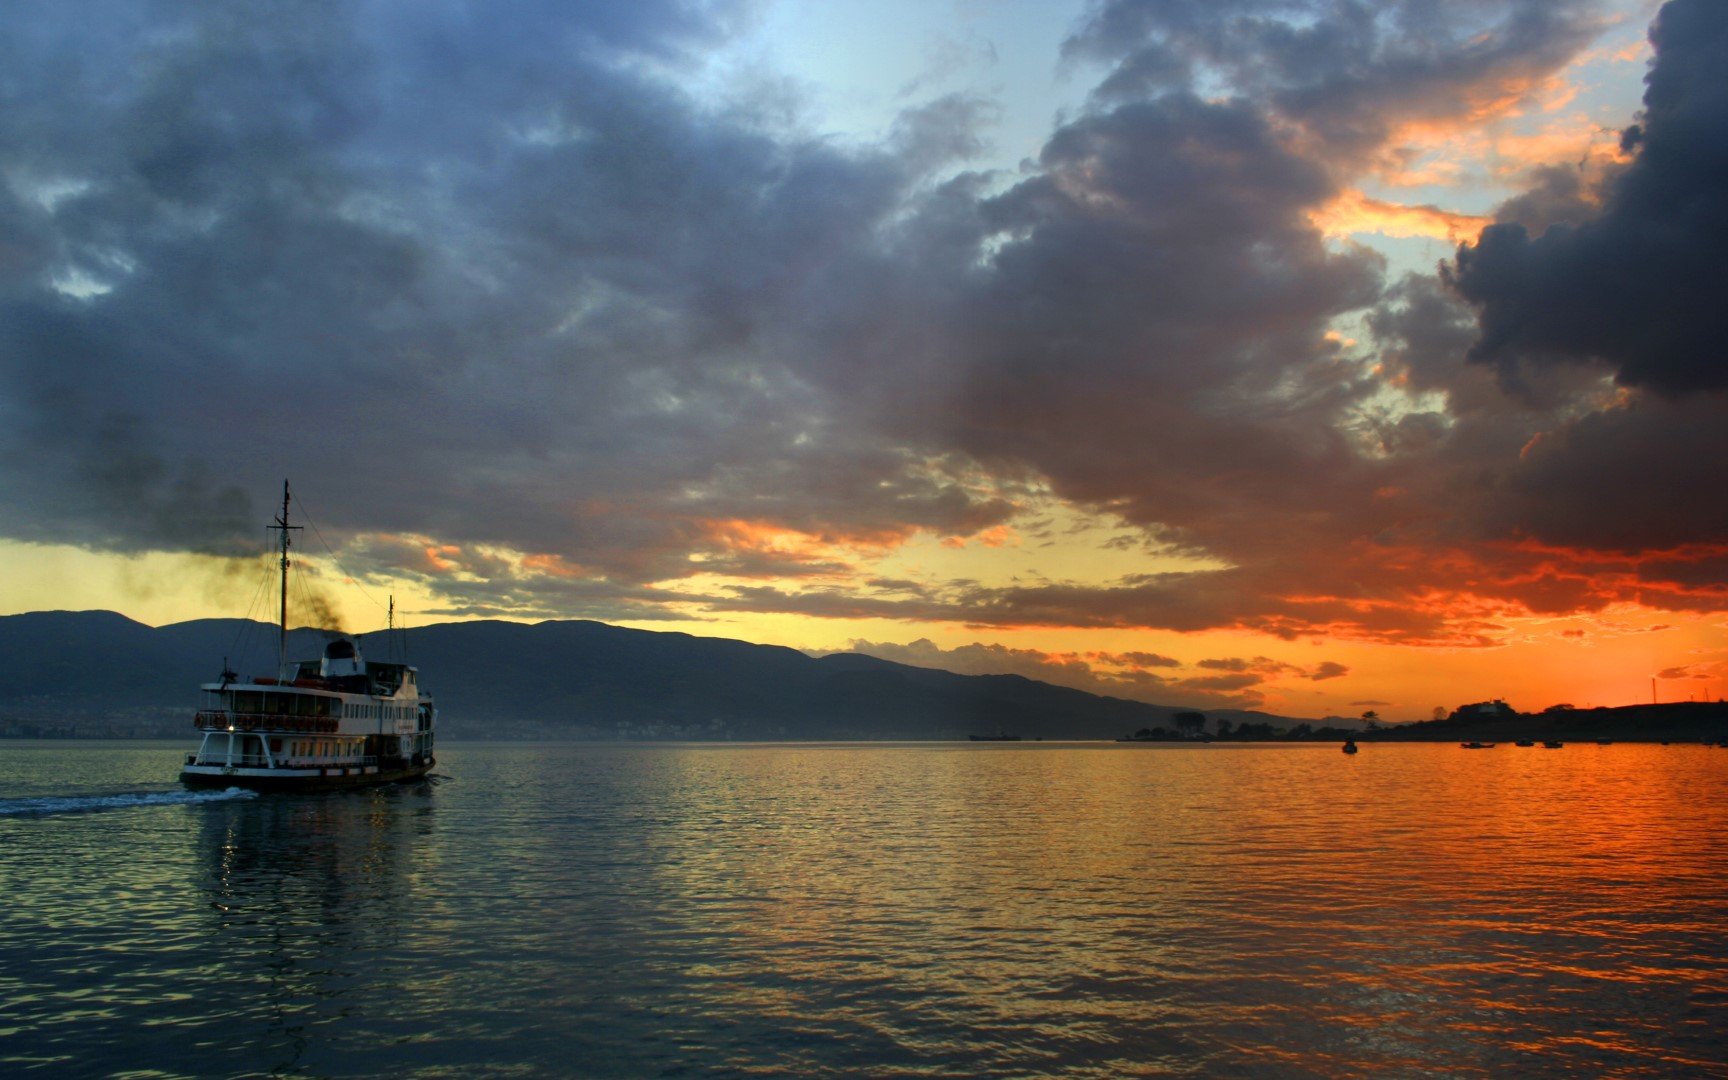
x=83, y=804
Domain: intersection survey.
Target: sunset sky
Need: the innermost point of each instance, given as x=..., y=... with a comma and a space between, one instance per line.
x=1308, y=355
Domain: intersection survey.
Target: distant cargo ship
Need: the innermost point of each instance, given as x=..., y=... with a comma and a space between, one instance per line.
x=336, y=721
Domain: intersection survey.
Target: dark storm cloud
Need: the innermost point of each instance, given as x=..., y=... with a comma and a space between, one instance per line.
x=1628, y=273
x=490, y=278
x=1558, y=195
x=1163, y=303
x=1152, y=334
x=1568, y=491
x=482, y=284
x=1642, y=477
x=1639, y=286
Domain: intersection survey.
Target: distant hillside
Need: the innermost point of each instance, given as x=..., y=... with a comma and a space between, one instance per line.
x=1680, y=721
x=103, y=673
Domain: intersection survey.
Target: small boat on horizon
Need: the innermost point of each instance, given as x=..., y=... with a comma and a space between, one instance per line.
x=1350, y=746
x=337, y=721
x=1552, y=744
x=1477, y=745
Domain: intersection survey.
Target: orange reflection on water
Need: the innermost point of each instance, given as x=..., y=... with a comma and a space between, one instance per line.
x=1011, y=909
x=1414, y=899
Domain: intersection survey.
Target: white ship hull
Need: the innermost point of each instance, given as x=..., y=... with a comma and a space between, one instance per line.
x=288, y=779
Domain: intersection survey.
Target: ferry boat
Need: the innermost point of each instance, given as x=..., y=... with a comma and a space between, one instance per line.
x=336, y=721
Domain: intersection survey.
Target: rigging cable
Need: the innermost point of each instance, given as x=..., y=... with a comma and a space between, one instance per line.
x=245, y=634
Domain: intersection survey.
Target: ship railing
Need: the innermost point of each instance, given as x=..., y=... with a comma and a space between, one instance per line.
x=219, y=720
x=243, y=761
x=324, y=762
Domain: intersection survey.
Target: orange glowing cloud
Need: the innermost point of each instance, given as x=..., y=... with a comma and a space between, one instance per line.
x=1496, y=132
x=443, y=558
x=763, y=550
x=740, y=534
x=736, y=536
x=554, y=565
x=1484, y=104
x=1574, y=140
x=1353, y=212
x=1663, y=578
x=998, y=536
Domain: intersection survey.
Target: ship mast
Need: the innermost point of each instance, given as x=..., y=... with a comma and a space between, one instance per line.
x=282, y=632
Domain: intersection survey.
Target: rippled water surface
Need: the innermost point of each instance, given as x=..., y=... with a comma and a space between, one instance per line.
x=884, y=910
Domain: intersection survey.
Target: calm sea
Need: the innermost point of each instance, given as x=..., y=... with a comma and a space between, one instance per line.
x=1078, y=910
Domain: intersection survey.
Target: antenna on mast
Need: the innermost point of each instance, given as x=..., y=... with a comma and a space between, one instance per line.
x=282, y=632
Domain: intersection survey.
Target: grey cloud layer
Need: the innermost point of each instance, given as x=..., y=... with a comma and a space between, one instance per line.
x=502, y=281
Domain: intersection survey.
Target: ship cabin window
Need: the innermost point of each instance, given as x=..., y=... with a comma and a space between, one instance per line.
x=387, y=676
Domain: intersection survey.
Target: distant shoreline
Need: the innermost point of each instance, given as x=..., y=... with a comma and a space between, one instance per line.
x=1321, y=743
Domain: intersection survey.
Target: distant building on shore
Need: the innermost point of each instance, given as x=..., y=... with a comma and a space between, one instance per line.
x=1484, y=710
